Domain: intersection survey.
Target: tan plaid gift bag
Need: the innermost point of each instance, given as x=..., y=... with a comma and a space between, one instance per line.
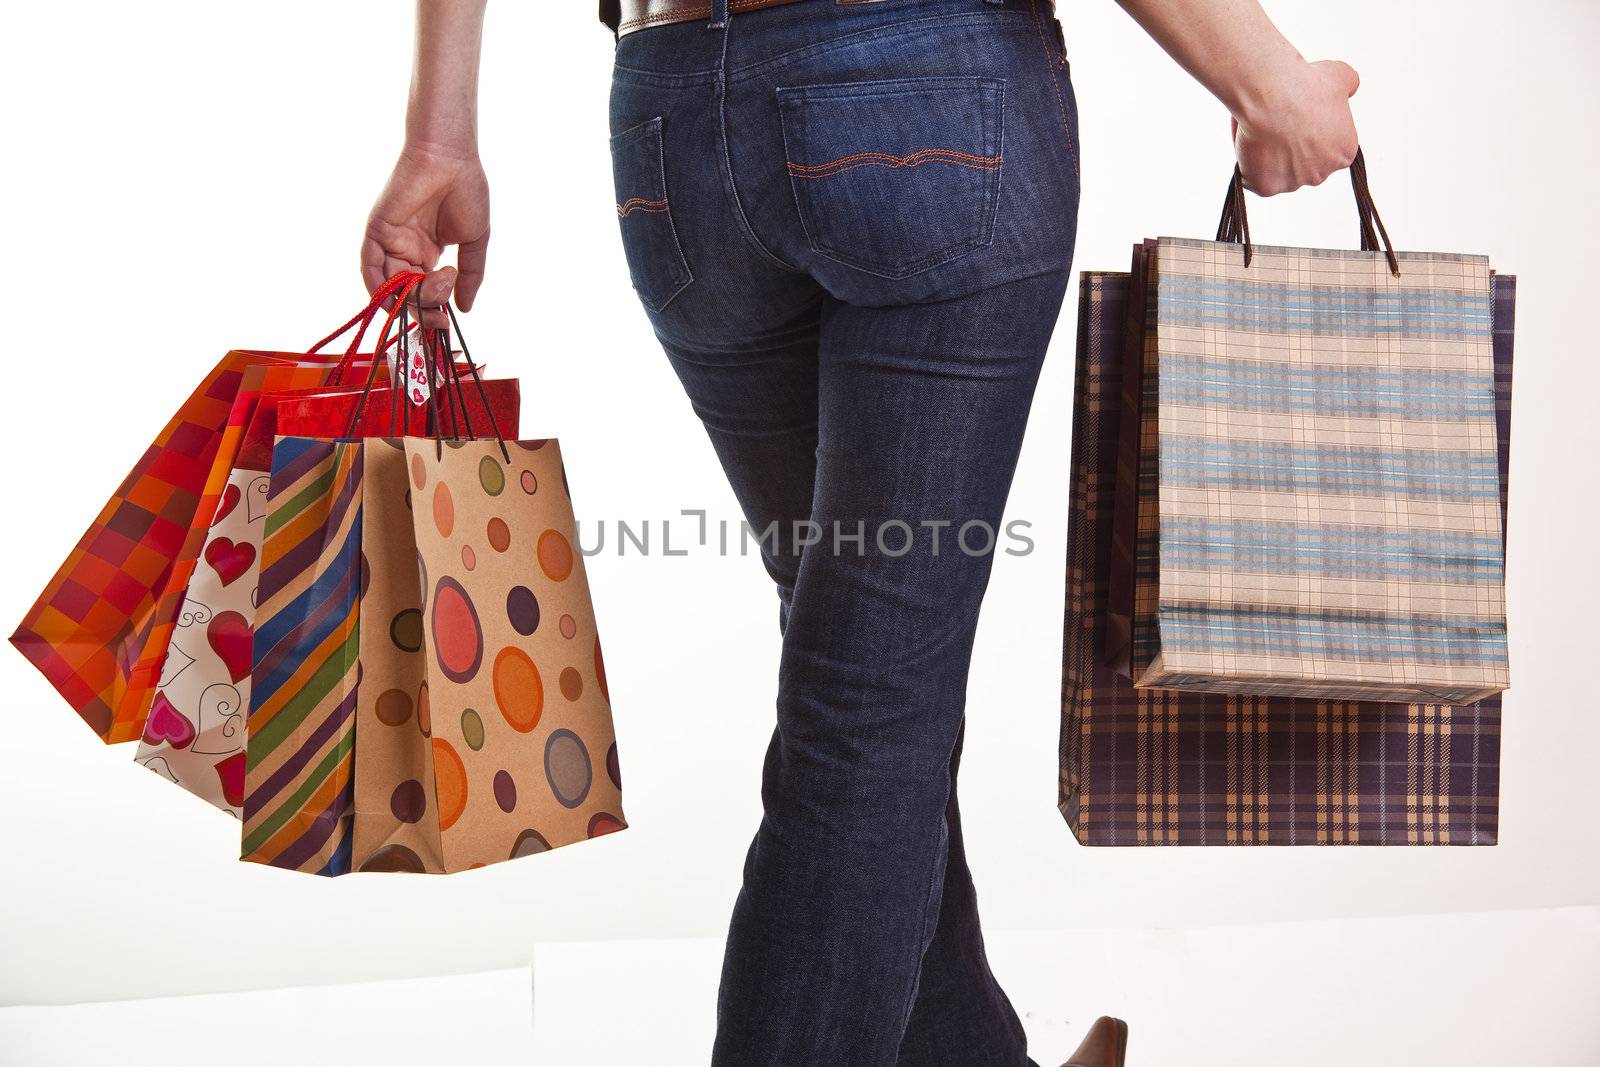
x=1168, y=767
x=1317, y=504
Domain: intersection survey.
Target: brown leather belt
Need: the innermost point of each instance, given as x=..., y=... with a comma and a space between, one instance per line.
x=628, y=16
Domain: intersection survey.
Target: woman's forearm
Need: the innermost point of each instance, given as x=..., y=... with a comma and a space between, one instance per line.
x=442, y=114
x=1292, y=120
x=437, y=195
x=1229, y=46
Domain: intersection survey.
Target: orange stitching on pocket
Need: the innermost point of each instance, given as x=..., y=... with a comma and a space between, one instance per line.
x=893, y=162
x=639, y=203
x=886, y=156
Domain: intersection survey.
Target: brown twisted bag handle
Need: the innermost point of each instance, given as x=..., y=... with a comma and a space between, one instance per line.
x=1234, y=226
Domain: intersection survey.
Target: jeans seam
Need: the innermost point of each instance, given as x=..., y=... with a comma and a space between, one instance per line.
x=925, y=933
x=623, y=72
x=672, y=224
x=726, y=163
x=908, y=27
x=1051, y=67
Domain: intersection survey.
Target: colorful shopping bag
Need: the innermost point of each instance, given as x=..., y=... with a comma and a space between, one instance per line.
x=1168, y=767
x=195, y=733
x=99, y=631
x=314, y=415
x=297, y=778
x=429, y=692
x=525, y=753
x=1318, y=481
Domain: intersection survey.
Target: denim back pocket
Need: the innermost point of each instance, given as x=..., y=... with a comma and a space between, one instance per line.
x=895, y=177
x=644, y=211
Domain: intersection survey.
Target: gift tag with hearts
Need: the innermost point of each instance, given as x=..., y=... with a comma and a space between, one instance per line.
x=415, y=360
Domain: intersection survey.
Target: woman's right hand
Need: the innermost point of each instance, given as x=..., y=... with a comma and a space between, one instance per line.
x=434, y=198
x=1292, y=124
x=1301, y=130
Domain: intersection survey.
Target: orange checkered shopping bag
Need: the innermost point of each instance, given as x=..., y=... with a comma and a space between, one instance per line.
x=99, y=631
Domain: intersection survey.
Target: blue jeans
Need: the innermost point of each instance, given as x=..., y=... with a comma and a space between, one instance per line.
x=851, y=225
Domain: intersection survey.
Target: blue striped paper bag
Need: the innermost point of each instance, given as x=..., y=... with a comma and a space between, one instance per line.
x=298, y=800
x=1318, y=490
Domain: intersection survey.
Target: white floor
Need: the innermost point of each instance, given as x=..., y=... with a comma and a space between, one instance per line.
x=1495, y=989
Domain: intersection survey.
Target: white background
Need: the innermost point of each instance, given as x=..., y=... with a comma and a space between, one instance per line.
x=186, y=177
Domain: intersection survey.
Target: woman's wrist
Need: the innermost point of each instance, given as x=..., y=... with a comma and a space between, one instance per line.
x=1266, y=93
x=433, y=144
x=443, y=120
x=442, y=114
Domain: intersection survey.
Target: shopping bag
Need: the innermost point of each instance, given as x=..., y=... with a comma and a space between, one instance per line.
x=99, y=631
x=1169, y=767
x=1318, y=482
x=315, y=414
x=195, y=732
x=512, y=715
x=303, y=678
x=429, y=692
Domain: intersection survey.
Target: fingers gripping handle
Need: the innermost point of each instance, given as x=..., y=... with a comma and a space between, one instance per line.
x=1234, y=226
x=439, y=362
x=401, y=292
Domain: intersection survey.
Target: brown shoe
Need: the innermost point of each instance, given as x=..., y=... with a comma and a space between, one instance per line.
x=1105, y=1045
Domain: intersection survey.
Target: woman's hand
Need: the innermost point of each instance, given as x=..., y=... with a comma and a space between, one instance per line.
x=1291, y=119
x=434, y=198
x=1302, y=131
x=437, y=195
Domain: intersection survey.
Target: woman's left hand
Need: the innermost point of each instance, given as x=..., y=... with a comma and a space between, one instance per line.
x=434, y=198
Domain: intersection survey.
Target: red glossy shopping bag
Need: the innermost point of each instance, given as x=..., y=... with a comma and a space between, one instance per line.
x=328, y=414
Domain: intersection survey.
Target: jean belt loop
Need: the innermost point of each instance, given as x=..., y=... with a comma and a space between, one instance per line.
x=719, y=15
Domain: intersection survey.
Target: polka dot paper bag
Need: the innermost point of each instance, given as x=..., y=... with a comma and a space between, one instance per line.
x=523, y=751
x=429, y=691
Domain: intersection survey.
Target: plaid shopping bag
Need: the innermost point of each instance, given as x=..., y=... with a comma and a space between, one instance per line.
x=1169, y=767
x=1318, y=486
